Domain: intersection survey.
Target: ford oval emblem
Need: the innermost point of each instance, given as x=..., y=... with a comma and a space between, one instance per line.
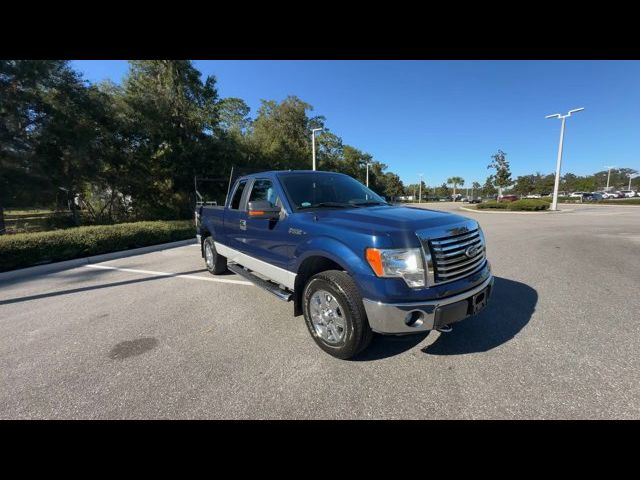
x=472, y=251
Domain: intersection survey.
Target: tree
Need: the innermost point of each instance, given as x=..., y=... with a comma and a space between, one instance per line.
x=525, y=184
x=502, y=177
x=489, y=189
x=172, y=114
x=475, y=186
x=329, y=152
x=455, y=181
x=567, y=182
x=234, y=116
x=25, y=110
x=281, y=133
x=393, y=186
x=443, y=190
x=54, y=134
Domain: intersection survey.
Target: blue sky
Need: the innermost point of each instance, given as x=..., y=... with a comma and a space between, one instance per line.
x=445, y=118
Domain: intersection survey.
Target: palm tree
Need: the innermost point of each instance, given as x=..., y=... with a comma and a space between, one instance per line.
x=455, y=181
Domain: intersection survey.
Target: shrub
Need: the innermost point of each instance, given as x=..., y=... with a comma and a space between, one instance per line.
x=493, y=204
x=528, y=204
x=27, y=249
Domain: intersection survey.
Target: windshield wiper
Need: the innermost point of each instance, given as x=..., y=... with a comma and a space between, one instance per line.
x=369, y=202
x=328, y=204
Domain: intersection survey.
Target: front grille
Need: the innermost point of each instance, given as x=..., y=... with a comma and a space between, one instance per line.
x=453, y=257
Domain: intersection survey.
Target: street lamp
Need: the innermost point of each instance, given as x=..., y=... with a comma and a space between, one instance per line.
x=608, y=167
x=367, y=174
x=420, y=194
x=313, y=144
x=554, y=204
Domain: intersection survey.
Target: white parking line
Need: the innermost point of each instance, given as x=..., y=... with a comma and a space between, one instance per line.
x=165, y=274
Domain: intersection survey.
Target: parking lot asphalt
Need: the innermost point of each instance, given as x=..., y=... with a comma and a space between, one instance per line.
x=156, y=336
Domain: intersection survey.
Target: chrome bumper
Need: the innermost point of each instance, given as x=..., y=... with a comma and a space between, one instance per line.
x=391, y=318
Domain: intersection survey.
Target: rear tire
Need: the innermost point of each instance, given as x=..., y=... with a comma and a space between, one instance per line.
x=216, y=263
x=335, y=315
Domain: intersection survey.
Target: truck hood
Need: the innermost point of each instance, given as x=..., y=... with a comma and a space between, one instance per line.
x=398, y=222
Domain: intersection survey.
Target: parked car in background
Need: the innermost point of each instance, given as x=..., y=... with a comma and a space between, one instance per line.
x=474, y=199
x=508, y=198
x=533, y=195
x=605, y=195
x=577, y=194
x=629, y=193
x=592, y=197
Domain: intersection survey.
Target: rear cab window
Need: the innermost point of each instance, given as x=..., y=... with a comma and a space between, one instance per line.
x=237, y=195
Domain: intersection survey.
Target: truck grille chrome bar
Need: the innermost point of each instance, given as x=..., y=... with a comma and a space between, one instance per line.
x=455, y=256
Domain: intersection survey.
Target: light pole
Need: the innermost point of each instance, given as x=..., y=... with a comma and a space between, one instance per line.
x=554, y=203
x=608, y=167
x=367, y=174
x=313, y=144
x=420, y=194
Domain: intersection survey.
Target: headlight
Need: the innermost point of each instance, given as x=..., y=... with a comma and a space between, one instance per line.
x=405, y=263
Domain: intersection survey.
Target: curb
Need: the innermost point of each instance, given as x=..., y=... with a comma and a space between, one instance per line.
x=76, y=262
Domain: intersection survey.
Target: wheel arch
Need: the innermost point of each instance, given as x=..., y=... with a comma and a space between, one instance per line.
x=309, y=267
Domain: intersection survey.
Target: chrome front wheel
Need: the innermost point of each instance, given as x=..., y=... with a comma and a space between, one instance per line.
x=327, y=316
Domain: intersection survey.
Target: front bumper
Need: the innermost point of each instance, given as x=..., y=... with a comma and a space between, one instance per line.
x=392, y=318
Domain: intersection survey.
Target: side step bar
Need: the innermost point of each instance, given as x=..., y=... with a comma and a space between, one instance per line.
x=270, y=287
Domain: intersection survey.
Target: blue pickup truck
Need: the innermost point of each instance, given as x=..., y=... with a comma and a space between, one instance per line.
x=350, y=262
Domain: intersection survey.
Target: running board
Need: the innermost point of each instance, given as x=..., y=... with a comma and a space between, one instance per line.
x=270, y=287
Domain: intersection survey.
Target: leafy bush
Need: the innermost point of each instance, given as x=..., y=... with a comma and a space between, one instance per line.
x=526, y=204
x=27, y=249
x=493, y=204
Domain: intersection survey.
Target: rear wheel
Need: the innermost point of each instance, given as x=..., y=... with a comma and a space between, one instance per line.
x=335, y=315
x=216, y=263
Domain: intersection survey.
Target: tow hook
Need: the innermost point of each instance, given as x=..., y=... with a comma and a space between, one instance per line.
x=444, y=329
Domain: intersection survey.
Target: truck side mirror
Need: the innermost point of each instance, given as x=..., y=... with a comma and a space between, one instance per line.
x=263, y=209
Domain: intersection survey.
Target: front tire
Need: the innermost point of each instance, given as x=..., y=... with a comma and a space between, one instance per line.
x=216, y=263
x=335, y=315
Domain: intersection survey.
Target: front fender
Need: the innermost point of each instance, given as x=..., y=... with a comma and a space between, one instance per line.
x=334, y=250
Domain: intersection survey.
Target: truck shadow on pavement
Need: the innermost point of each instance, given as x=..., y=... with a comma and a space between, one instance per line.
x=68, y=291
x=510, y=308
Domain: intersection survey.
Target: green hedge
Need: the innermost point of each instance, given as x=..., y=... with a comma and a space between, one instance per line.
x=529, y=204
x=493, y=205
x=525, y=204
x=27, y=249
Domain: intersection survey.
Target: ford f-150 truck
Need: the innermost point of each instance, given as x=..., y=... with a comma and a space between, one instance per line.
x=350, y=262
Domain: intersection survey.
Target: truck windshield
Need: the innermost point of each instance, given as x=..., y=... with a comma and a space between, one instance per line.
x=308, y=190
